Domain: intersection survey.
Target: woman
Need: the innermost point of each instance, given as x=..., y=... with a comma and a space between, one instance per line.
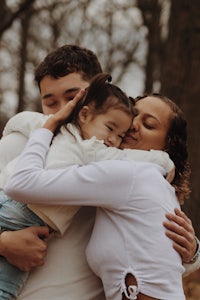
x=156, y=125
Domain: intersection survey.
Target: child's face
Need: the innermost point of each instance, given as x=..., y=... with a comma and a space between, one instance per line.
x=110, y=126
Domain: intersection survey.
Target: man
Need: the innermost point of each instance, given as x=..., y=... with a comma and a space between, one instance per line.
x=60, y=76
x=65, y=274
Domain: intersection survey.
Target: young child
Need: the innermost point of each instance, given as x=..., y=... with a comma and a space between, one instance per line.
x=97, y=125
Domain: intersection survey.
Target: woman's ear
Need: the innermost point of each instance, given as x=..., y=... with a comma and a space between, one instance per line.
x=84, y=114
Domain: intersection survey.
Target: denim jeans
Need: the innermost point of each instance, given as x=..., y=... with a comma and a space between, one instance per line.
x=14, y=216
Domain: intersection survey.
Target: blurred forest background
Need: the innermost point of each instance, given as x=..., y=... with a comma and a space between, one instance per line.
x=147, y=46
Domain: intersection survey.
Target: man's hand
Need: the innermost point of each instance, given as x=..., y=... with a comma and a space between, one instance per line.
x=25, y=248
x=181, y=232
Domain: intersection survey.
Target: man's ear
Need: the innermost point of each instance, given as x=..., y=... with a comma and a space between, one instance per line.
x=84, y=114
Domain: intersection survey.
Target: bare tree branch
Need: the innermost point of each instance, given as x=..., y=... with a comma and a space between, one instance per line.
x=9, y=17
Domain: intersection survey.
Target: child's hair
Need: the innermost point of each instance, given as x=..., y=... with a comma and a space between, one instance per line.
x=66, y=60
x=176, y=147
x=101, y=96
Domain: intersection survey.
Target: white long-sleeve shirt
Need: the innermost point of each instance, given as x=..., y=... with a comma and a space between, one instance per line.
x=128, y=235
x=68, y=148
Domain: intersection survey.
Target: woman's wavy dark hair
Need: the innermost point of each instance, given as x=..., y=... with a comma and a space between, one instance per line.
x=101, y=95
x=176, y=147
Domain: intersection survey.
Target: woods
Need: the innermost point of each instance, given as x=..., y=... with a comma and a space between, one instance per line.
x=180, y=74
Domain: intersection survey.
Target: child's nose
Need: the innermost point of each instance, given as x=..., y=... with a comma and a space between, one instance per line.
x=113, y=141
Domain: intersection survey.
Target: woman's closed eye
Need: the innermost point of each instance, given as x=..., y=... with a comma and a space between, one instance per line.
x=148, y=126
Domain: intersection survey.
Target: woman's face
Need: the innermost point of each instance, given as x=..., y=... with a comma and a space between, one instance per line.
x=150, y=125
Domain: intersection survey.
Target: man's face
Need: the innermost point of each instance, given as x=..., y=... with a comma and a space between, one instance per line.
x=55, y=93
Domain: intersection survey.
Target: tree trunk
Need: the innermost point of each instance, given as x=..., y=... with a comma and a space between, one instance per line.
x=180, y=81
x=25, y=21
x=8, y=17
x=151, y=10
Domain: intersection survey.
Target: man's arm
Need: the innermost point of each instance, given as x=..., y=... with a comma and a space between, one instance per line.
x=24, y=248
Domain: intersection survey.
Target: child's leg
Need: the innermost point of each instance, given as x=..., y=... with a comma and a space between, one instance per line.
x=13, y=216
x=16, y=215
x=12, y=280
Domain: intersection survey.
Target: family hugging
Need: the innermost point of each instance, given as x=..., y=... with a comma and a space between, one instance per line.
x=90, y=190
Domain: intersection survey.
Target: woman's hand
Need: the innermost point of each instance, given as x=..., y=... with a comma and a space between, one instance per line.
x=59, y=117
x=24, y=248
x=181, y=232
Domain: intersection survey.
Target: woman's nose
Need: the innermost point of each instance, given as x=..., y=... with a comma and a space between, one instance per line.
x=135, y=124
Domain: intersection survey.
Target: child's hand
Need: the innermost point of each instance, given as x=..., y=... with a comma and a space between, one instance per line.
x=58, y=118
x=170, y=175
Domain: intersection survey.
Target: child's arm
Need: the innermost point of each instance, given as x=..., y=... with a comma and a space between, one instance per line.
x=155, y=156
